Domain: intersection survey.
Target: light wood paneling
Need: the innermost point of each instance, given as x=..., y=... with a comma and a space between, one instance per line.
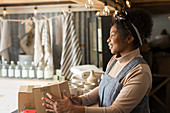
x=98, y=5
x=30, y=1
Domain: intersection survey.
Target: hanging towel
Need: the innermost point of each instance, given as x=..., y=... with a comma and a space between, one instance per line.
x=38, y=47
x=51, y=32
x=59, y=29
x=48, y=56
x=5, y=39
x=51, y=40
x=58, y=23
x=71, y=53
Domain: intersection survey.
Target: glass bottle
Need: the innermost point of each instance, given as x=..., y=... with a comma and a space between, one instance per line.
x=18, y=69
x=32, y=71
x=48, y=71
x=25, y=69
x=40, y=71
x=11, y=70
x=5, y=69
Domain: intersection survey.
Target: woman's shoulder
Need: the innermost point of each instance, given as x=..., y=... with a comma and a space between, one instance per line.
x=140, y=71
x=139, y=75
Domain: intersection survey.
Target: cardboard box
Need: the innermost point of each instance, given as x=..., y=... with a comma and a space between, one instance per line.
x=54, y=89
x=25, y=97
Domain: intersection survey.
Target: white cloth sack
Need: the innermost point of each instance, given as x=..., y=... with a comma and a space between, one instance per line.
x=29, y=50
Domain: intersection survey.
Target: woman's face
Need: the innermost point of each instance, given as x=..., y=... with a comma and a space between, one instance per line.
x=116, y=44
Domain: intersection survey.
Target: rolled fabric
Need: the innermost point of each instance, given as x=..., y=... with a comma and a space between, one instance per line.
x=83, y=71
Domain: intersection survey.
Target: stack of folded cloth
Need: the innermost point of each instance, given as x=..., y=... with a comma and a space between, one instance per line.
x=83, y=71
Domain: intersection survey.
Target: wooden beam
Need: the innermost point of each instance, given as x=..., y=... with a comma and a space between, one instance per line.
x=154, y=6
x=168, y=97
x=148, y=1
x=109, y=2
x=36, y=3
x=159, y=101
x=98, y=4
x=29, y=1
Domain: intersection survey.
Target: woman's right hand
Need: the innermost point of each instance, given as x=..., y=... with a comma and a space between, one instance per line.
x=76, y=100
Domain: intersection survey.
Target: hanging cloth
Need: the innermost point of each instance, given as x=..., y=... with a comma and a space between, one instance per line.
x=58, y=23
x=38, y=47
x=47, y=42
x=43, y=42
x=5, y=39
x=71, y=53
x=59, y=29
x=51, y=32
x=27, y=40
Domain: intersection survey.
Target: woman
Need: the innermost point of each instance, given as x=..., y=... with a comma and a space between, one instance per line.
x=127, y=82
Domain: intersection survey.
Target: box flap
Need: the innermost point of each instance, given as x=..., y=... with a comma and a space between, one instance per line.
x=27, y=88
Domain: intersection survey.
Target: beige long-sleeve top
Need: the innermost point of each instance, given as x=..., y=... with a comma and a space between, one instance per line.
x=136, y=84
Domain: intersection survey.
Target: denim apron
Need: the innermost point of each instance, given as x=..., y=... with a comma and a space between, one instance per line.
x=110, y=87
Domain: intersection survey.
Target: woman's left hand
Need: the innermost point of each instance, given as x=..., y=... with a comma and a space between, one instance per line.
x=58, y=105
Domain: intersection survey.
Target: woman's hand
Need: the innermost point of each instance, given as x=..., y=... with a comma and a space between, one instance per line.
x=58, y=105
x=76, y=100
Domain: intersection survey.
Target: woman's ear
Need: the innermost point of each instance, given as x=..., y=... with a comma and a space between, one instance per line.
x=130, y=39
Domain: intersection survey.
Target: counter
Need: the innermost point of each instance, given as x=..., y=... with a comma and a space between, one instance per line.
x=9, y=92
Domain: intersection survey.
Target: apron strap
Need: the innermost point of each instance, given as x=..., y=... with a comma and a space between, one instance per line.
x=132, y=64
x=113, y=63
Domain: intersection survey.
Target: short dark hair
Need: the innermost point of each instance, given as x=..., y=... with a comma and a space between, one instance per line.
x=141, y=19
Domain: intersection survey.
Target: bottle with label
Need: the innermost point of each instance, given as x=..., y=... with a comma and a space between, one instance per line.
x=48, y=71
x=5, y=69
x=40, y=71
x=11, y=70
x=18, y=69
x=0, y=69
x=25, y=69
x=32, y=71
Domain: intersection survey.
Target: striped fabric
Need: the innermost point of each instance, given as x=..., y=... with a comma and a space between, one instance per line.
x=71, y=53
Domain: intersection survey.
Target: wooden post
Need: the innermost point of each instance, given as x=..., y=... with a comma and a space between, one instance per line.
x=168, y=97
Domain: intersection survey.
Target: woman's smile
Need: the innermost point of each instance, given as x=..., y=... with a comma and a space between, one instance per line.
x=110, y=46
